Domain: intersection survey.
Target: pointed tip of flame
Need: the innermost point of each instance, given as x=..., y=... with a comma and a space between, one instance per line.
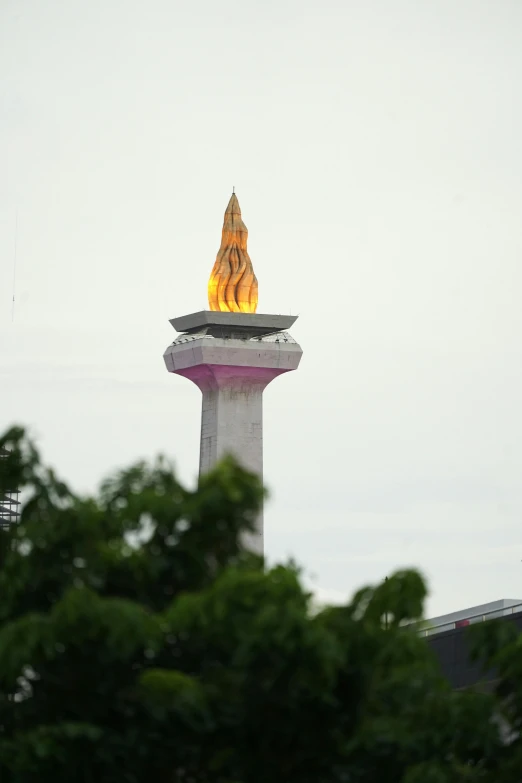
x=233, y=207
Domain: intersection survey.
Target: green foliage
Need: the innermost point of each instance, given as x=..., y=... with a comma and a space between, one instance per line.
x=138, y=640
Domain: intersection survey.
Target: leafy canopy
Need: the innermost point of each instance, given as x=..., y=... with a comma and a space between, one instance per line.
x=140, y=641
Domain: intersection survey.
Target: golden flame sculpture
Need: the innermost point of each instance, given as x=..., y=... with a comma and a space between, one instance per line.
x=232, y=286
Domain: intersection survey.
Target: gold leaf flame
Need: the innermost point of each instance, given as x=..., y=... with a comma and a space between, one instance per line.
x=232, y=286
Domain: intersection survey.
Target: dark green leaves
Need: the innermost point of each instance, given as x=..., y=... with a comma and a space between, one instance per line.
x=139, y=641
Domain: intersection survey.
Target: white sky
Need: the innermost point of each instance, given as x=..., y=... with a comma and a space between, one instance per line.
x=375, y=149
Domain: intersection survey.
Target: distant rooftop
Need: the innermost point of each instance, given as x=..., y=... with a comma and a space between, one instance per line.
x=475, y=614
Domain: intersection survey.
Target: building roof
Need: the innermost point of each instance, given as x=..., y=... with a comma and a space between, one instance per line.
x=474, y=614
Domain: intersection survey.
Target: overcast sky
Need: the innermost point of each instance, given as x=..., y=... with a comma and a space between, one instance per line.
x=376, y=152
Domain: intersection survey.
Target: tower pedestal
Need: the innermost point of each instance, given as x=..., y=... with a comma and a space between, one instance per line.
x=232, y=357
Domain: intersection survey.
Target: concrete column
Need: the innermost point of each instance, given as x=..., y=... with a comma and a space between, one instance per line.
x=232, y=372
x=232, y=421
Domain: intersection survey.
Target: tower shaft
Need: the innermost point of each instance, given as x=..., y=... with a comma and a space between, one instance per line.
x=232, y=420
x=232, y=357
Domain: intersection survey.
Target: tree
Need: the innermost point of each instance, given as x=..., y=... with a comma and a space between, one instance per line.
x=138, y=640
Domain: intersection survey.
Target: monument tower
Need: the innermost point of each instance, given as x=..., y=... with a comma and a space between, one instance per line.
x=232, y=353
